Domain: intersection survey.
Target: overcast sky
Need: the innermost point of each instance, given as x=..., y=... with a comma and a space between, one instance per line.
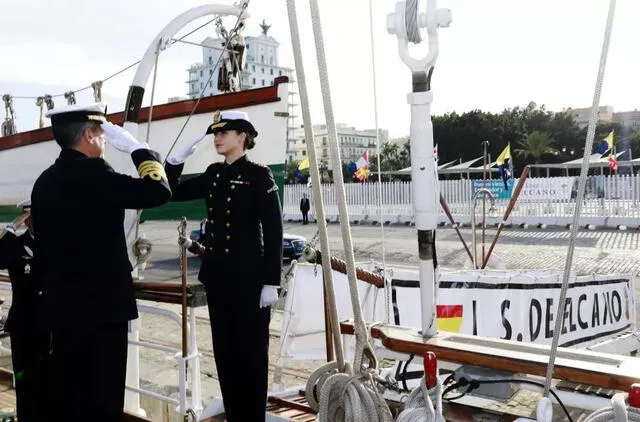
x=496, y=54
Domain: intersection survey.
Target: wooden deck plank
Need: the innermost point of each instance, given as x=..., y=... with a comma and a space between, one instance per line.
x=579, y=366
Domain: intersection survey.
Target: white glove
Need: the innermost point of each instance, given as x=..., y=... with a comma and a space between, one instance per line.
x=185, y=242
x=185, y=151
x=121, y=139
x=269, y=295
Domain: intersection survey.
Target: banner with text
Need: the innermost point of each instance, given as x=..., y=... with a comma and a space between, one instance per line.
x=496, y=186
x=523, y=308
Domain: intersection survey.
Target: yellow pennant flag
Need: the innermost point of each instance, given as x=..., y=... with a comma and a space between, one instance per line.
x=304, y=164
x=506, y=153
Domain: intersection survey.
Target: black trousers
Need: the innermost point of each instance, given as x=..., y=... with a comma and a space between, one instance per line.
x=305, y=217
x=30, y=355
x=88, y=370
x=240, y=333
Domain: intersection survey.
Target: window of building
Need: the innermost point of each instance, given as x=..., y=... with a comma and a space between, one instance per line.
x=201, y=73
x=253, y=68
x=201, y=85
x=210, y=72
x=263, y=82
x=271, y=61
x=210, y=60
x=279, y=72
x=304, y=153
x=193, y=87
x=247, y=46
x=262, y=70
x=271, y=71
x=262, y=58
x=254, y=81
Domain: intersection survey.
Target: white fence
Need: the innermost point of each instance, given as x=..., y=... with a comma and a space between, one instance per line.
x=609, y=201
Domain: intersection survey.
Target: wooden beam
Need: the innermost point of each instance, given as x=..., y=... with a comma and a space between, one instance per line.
x=575, y=365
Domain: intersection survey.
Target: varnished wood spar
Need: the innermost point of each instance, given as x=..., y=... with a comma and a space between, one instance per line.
x=447, y=211
x=341, y=266
x=163, y=291
x=575, y=365
x=507, y=212
x=232, y=100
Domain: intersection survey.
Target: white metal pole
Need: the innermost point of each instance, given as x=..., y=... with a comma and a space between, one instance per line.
x=405, y=23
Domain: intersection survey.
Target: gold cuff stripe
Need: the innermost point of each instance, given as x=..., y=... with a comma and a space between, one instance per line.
x=152, y=169
x=272, y=189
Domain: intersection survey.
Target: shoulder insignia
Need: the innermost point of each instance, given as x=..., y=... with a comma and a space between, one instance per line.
x=27, y=269
x=153, y=169
x=272, y=189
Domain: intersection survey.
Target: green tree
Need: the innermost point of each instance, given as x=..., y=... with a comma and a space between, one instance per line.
x=535, y=145
x=393, y=157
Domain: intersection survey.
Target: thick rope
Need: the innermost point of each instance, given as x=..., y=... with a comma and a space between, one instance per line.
x=315, y=186
x=423, y=404
x=580, y=196
x=362, y=337
x=352, y=398
x=619, y=411
x=342, y=397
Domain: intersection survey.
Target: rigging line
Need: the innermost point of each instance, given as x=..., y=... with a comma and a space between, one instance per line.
x=195, y=106
x=203, y=45
x=380, y=199
x=173, y=41
x=150, y=120
x=580, y=195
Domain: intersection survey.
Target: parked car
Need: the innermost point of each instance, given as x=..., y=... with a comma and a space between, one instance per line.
x=292, y=244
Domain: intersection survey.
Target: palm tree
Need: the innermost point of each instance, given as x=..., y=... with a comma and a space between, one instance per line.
x=535, y=145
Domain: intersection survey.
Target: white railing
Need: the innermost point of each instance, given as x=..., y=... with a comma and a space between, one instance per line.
x=182, y=403
x=610, y=201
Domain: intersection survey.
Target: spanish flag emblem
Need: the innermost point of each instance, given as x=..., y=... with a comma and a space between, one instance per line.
x=449, y=318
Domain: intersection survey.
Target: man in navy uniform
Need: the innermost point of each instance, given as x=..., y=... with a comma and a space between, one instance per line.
x=29, y=344
x=81, y=257
x=241, y=259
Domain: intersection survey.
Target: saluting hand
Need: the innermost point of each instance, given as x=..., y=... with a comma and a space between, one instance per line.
x=121, y=139
x=185, y=151
x=17, y=222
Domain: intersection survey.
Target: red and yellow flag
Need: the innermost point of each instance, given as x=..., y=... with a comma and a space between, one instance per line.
x=449, y=318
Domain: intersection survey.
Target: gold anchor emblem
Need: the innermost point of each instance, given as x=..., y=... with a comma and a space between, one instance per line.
x=27, y=269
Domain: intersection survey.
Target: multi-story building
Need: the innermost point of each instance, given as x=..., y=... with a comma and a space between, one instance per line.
x=353, y=143
x=261, y=68
x=581, y=115
x=628, y=119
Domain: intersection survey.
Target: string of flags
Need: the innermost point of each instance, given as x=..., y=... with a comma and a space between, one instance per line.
x=360, y=168
x=606, y=144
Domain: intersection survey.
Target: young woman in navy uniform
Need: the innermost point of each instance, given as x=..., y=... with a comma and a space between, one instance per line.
x=84, y=266
x=29, y=344
x=241, y=259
